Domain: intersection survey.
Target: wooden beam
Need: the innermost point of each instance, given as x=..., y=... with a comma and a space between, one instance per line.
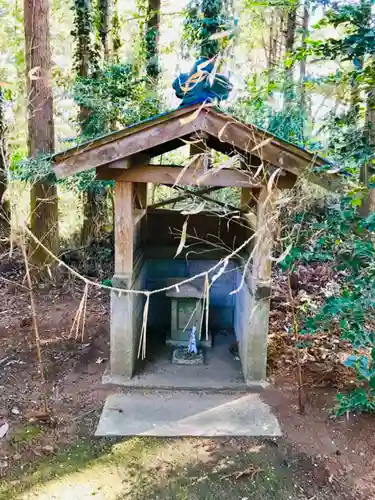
x=132, y=144
x=170, y=175
x=181, y=197
x=138, y=214
x=211, y=200
x=124, y=229
x=163, y=174
x=140, y=189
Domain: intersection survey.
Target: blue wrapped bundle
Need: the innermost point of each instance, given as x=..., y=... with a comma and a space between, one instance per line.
x=196, y=87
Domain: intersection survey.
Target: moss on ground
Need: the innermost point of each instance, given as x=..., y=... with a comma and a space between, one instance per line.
x=165, y=469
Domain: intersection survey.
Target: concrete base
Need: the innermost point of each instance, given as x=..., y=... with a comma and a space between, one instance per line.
x=182, y=357
x=221, y=372
x=169, y=414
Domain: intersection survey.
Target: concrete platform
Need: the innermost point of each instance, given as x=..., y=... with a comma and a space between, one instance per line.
x=168, y=414
x=221, y=371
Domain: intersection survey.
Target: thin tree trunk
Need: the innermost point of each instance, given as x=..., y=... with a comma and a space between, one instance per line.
x=368, y=204
x=302, y=74
x=43, y=196
x=152, y=39
x=271, y=45
x=115, y=32
x=211, y=12
x=4, y=204
x=84, y=51
x=104, y=26
x=94, y=203
x=290, y=35
x=291, y=26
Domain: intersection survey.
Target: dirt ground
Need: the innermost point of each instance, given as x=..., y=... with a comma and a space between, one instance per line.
x=319, y=457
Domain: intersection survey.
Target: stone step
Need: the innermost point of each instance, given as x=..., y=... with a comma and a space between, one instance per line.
x=184, y=413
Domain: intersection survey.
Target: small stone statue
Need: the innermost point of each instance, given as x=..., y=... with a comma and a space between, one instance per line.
x=197, y=86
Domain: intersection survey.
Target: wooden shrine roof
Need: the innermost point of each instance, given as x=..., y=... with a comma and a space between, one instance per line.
x=172, y=130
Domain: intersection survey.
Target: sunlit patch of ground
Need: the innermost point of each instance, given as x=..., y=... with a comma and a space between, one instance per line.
x=174, y=469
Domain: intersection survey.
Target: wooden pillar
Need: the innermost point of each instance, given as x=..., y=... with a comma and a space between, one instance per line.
x=141, y=194
x=254, y=351
x=123, y=228
x=122, y=341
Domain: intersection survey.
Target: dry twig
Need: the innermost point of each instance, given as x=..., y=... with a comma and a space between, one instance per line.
x=36, y=330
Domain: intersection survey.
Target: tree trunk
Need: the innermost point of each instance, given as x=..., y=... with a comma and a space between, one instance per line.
x=152, y=39
x=86, y=59
x=290, y=35
x=115, y=31
x=4, y=205
x=95, y=214
x=210, y=12
x=291, y=25
x=302, y=74
x=43, y=199
x=368, y=204
x=104, y=26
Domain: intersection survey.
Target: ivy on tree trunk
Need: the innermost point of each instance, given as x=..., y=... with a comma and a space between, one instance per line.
x=152, y=39
x=4, y=205
x=104, y=26
x=115, y=31
x=43, y=195
x=87, y=66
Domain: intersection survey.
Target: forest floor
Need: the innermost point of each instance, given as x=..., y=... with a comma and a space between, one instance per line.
x=319, y=457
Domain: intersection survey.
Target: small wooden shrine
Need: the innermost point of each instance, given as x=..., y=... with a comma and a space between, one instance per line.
x=143, y=243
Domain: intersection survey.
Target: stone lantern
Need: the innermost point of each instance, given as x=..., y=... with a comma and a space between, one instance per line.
x=186, y=312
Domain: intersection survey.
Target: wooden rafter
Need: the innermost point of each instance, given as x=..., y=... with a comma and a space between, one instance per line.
x=211, y=200
x=173, y=175
x=176, y=199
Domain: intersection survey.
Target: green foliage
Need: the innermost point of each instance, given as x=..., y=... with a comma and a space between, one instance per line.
x=31, y=169
x=360, y=400
x=116, y=28
x=204, y=18
x=258, y=106
x=341, y=236
x=86, y=57
x=115, y=99
x=359, y=33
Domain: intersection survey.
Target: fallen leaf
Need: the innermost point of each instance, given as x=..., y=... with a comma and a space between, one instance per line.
x=194, y=211
x=195, y=162
x=205, y=63
x=190, y=118
x=271, y=180
x=183, y=238
x=4, y=429
x=48, y=448
x=100, y=360
x=227, y=164
x=250, y=471
x=220, y=34
x=193, y=116
x=262, y=144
